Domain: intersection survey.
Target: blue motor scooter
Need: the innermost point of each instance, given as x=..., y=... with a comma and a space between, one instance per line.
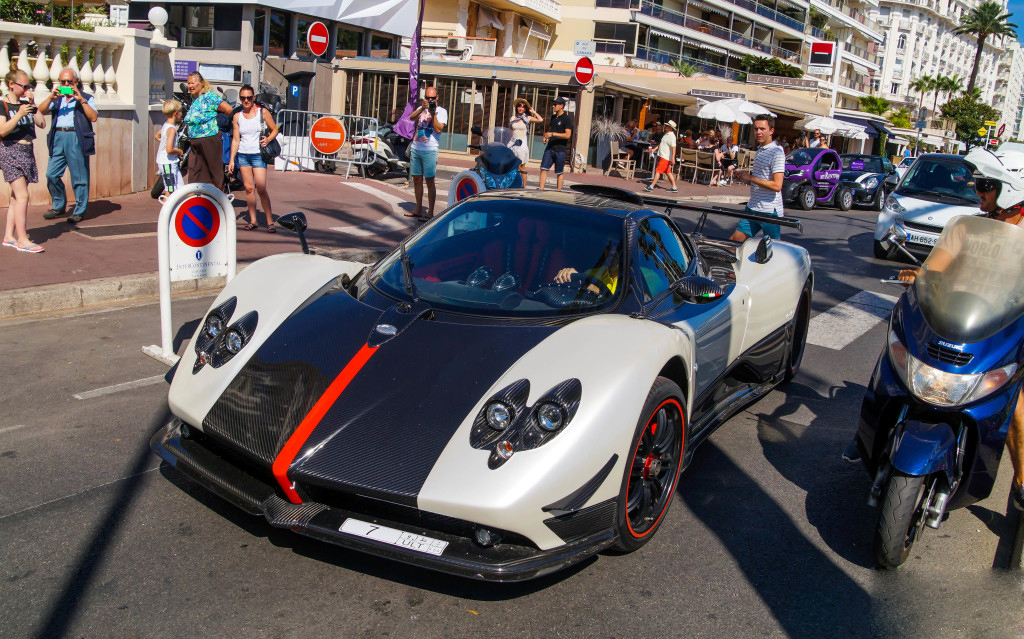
x=935, y=415
x=497, y=166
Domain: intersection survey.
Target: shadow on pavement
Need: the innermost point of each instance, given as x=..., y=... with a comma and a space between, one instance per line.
x=86, y=566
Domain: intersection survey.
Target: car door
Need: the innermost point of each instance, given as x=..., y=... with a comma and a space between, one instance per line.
x=826, y=174
x=717, y=327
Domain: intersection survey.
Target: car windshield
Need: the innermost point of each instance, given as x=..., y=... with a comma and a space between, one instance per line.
x=972, y=284
x=802, y=157
x=502, y=258
x=862, y=163
x=940, y=178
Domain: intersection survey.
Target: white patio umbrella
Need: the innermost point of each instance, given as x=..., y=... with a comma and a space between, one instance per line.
x=826, y=125
x=748, y=107
x=722, y=112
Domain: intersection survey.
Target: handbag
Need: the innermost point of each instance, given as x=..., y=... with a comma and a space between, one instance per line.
x=273, y=148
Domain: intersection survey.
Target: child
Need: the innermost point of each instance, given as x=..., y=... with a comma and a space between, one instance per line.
x=168, y=155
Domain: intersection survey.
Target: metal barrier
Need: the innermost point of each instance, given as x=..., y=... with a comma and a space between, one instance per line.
x=312, y=139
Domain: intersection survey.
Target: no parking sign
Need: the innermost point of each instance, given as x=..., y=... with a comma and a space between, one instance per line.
x=195, y=239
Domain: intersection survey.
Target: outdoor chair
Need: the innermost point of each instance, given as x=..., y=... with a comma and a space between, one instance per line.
x=706, y=162
x=688, y=161
x=621, y=161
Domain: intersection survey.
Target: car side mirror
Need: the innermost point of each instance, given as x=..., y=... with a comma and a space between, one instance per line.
x=296, y=222
x=476, y=130
x=699, y=290
x=891, y=181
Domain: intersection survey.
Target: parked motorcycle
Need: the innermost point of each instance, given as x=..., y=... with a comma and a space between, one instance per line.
x=497, y=167
x=935, y=415
x=377, y=152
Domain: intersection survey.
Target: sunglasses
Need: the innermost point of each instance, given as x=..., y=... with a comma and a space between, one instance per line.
x=985, y=185
x=23, y=86
x=67, y=82
x=246, y=97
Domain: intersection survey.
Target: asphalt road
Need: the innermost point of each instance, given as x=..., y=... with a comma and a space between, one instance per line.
x=769, y=534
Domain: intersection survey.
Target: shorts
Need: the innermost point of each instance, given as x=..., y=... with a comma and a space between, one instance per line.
x=171, y=176
x=726, y=163
x=255, y=160
x=664, y=166
x=553, y=156
x=750, y=227
x=423, y=163
x=18, y=161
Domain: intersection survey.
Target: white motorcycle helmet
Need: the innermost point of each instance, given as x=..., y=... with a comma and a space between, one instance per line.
x=984, y=164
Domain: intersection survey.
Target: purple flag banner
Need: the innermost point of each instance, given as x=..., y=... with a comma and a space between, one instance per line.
x=406, y=127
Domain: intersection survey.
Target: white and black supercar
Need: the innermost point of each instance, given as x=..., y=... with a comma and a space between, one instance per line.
x=513, y=389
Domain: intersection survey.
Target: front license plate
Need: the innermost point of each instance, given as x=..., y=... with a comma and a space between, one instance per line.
x=918, y=238
x=394, y=537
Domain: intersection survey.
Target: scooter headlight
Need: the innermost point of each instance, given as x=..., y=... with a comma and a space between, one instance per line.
x=941, y=388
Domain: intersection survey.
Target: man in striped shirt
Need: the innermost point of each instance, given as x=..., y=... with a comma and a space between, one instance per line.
x=765, y=179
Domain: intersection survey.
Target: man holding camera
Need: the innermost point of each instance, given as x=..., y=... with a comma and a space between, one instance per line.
x=71, y=141
x=430, y=120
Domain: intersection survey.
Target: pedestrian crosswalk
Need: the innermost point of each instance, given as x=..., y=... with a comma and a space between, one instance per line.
x=840, y=325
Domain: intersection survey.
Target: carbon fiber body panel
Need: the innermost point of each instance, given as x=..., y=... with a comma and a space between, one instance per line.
x=388, y=428
x=584, y=523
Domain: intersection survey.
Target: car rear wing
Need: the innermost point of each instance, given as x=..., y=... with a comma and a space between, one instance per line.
x=669, y=205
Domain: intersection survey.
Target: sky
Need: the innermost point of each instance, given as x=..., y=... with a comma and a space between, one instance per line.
x=1016, y=7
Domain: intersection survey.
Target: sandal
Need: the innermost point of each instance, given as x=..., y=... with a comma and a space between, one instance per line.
x=31, y=248
x=271, y=228
x=412, y=215
x=250, y=227
x=11, y=243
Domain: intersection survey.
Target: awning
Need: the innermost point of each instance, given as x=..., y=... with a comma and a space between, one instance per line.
x=860, y=68
x=706, y=7
x=397, y=17
x=895, y=139
x=649, y=91
x=536, y=30
x=869, y=126
x=881, y=129
x=487, y=17
x=665, y=34
x=704, y=45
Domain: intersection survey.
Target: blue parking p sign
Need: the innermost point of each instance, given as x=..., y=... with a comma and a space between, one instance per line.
x=294, y=88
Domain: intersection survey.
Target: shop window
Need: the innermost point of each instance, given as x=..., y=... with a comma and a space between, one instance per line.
x=278, y=41
x=380, y=46
x=625, y=33
x=259, y=26
x=349, y=43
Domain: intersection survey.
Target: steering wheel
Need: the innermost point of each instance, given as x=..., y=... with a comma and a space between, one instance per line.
x=574, y=293
x=585, y=280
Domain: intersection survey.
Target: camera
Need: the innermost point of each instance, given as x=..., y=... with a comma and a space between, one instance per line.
x=432, y=104
x=66, y=91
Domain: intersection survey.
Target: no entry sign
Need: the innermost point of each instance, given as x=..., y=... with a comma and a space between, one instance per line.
x=584, y=71
x=317, y=38
x=327, y=135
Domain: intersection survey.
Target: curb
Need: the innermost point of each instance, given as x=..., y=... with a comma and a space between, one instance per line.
x=84, y=294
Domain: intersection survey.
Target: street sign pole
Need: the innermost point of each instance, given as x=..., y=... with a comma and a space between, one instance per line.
x=835, y=80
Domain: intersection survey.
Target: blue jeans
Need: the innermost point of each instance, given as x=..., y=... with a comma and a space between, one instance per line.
x=67, y=154
x=750, y=227
x=553, y=156
x=422, y=163
x=255, y=160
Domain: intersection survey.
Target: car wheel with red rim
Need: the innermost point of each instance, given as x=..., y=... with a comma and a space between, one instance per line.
x=652, y=466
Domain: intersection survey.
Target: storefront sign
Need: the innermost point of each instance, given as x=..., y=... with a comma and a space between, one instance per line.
x=816, y=70
x=781, y=81
x=184, y=67
x=707, y=93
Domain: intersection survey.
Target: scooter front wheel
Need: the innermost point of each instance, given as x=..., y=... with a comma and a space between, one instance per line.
x=900, y=518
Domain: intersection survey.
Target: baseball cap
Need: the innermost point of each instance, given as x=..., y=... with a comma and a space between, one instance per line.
x=559, y=100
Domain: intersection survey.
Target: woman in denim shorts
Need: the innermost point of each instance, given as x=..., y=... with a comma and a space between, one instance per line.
x=246, y=141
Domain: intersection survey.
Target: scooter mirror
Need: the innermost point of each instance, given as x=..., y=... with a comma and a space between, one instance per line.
x=476, y=130
x=517, y=143
x=894, y=236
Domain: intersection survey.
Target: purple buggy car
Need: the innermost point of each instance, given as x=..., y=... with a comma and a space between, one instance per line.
x=813, y=179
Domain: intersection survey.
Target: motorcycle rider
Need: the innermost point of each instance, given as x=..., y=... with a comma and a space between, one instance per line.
x=1002, y=198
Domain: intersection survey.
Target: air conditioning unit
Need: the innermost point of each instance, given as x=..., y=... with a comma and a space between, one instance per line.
x=456, y=45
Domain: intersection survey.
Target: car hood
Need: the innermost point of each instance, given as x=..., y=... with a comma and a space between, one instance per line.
x=858, y=176
x=399, y=406
x=932, y=213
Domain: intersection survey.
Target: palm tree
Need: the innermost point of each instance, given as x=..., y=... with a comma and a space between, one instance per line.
x=938, y=82
x=951, y=84
x=873, y=104
x=987, y=19
x=922, y=85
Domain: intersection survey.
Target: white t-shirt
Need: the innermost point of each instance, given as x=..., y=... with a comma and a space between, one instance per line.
x=426, y=137
x=770, y=159
x=666, y=146
x=814, y=144
x=166, y=130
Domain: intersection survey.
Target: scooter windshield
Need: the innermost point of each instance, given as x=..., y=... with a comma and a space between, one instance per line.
x=498, y=158
x=972, y=284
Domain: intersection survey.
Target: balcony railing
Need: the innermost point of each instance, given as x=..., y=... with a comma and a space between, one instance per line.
x=816, y=32
x=855, y=84
x=614, y=4
x=667, y=57
x=550, y=8
x=616, y=47
x=771, y=14
x=861, y=52
x=856, y=14
x=714, y=30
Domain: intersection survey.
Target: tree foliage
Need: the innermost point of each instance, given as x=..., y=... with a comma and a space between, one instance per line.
x=685, y=68
x=900, y=118
x=768, y=66
x=987, y=19
x=872, y=104
x=25, y=12
x=969, y=114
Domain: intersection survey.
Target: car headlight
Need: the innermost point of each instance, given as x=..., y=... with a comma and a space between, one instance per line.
x=893, y=207
x=498, y=416
x=214, y=325
x=940, y=387
x=233, y=341
x=550, y=416
x=871, y=183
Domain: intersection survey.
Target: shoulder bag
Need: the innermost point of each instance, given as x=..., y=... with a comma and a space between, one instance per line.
x=273, y=148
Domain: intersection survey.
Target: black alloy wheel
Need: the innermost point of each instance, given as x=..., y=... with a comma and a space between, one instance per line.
x=653, y=466
x=800, y=324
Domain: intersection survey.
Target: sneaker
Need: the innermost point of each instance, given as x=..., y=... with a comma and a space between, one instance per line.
x=1017, y=492
x=53, y=214
x=673, y=190
x=648, y=188
x=74, y=219
x=852, y=453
